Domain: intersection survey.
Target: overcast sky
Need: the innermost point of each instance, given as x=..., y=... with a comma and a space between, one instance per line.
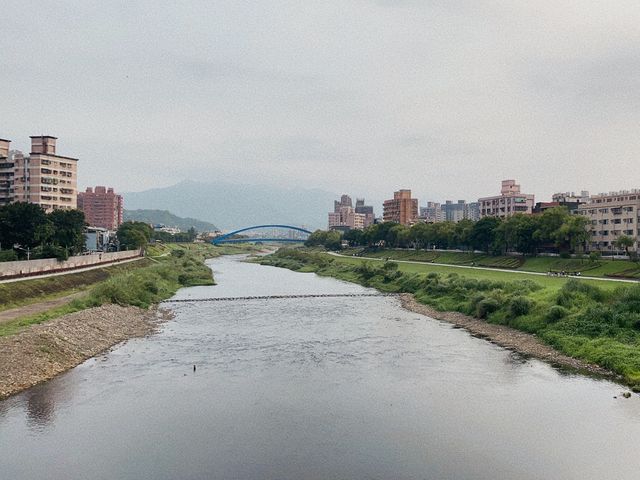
x=443, y=97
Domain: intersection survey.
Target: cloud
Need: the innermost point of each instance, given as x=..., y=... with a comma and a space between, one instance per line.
x=446, y=98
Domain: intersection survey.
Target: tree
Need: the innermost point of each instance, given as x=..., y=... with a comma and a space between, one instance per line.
x=624, y=242
x=24, y=224
x=482, y=235
x=68, y=229
x=573, y=233
x=331, y=240
x=354, y=237
x=517, y=233
x=132, y=235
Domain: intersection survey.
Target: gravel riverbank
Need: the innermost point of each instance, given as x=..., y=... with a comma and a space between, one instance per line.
x=43, y=351
x=506, y=337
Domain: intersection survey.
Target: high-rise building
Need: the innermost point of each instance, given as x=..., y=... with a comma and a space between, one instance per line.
x=366, y=210
x=612, y=215
x=44, y=177
x=7, y=173
x=432, y=213
x=345, y=217
x=401, y=209
x=102, y=207
x=508, y=203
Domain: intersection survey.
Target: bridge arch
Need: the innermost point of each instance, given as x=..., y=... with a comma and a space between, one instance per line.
x=226, y=238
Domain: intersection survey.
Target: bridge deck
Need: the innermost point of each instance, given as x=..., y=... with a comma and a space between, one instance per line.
x=274, y=297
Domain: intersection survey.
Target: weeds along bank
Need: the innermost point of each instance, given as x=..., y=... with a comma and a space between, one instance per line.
x=578, y=318
x=165, y=270
x=36, y=349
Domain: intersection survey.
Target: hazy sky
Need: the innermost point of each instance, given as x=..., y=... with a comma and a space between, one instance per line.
x=444, y=97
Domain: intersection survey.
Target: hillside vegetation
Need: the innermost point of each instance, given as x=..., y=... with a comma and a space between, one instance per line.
x=167, y=218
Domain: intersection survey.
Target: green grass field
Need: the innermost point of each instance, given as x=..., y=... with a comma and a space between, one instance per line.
x=554, y=283
x=599, y=268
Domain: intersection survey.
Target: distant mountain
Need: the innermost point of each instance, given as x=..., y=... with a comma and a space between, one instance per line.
x=230, y=205
x=169, y=219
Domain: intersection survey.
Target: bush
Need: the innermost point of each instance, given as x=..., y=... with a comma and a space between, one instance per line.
x=565, y=255
x=486, y=307
x=555, y=313
x=8, y=256
x=519, y=306
x=178, y=253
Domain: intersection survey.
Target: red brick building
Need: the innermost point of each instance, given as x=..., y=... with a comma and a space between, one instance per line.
x=102, y=207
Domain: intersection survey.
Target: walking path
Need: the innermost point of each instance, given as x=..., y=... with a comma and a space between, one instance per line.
x=67, y=272
x=523, y=272
x=35, y=308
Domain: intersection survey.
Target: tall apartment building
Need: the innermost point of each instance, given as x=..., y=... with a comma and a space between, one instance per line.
x=366, y=210
x=401, y=209
x=510, y=201
x=611, y=215
x=7, y=172
x=345, y=217
x=432, y=213
x=102, y=207
x=44, y=177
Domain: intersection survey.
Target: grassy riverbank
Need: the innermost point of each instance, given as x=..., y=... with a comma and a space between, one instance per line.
x=595, y=321
x=589, y=267
x=166, y=269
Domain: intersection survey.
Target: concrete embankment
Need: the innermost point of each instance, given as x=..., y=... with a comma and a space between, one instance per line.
x=521, y=342
x=43, y=351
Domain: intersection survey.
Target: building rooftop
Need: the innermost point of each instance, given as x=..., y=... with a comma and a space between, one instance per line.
x=43, y=136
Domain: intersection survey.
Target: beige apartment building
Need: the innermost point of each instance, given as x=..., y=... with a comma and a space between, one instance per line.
x=611, y=215
x=6, y=173
x=401, y=209
x=44, y=177
x=510, y=201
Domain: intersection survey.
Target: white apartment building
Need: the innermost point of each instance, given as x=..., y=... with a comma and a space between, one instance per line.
x=510, y=202
x=611, y=215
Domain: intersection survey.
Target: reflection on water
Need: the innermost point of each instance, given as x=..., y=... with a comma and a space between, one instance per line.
x=322, y=388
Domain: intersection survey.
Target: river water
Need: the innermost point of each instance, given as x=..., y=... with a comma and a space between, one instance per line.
x=315, y=388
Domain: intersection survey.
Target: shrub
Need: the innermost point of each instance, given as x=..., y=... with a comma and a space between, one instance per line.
x=486, y=307
x=555, y=313
x=8, y=256
x=177, y=253
x=519, y=306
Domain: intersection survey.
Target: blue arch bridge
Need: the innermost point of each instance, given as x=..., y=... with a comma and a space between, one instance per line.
x=229, y=237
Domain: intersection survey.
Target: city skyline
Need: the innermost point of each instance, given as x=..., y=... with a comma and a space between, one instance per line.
x=447, y=98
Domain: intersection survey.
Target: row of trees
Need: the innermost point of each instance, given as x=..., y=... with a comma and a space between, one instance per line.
x=527, y=234
x=26, y=230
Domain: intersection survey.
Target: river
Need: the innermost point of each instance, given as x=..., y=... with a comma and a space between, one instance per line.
x=315, y=388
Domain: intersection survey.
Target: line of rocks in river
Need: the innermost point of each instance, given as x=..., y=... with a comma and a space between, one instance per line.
x=43, y=351
x=506, y=337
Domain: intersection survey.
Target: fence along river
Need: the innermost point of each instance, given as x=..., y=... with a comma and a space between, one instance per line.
x=322, y=380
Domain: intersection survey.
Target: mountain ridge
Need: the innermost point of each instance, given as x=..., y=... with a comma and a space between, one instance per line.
x=229, y=205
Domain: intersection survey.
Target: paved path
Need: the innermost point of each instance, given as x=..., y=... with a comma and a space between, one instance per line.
x=67, y=272
x=490, y=269
x=35, y=308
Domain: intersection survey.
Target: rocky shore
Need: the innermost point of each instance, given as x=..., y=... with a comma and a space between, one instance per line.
x=43, y=351
x=506, y=337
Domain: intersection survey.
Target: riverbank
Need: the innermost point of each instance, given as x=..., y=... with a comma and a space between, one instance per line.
x=507, y=337
x=44, y=351
x=36, y=348
x=592, y=322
